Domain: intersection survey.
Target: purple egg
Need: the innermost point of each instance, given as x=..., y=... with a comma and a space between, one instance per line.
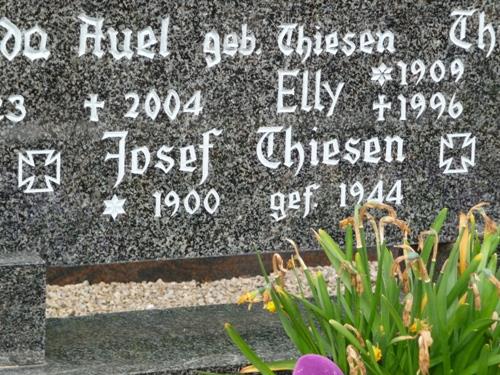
x=313, y=364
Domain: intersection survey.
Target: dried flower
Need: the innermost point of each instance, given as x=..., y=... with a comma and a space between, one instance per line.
x=421, y=270
x=464, y=242
x=490, y=227
x=403, y=226
x=379, y=206
x=373, y=223
x=415, y=261
x=407, y=310
x=494, y=316
x=357, y=283
x=357, y=233
x=472, y=263
x=396, y=268
x=279, y=269
x=356, y=365
x=476, y=294
x=424, y=344
x=346, y=222
x=266, y=296
x=356, y=333
x=405, y=281
x=297, y=254
x=495, y=282
x=421, y=241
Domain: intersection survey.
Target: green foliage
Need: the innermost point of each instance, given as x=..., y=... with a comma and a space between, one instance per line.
x=409, y=318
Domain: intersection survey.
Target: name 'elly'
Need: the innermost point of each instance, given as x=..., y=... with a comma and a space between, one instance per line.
x=33, y=43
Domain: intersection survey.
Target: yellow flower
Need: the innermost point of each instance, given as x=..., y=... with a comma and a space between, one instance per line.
x=247, y=298
x=377, y=353
x=381, y=329
x=418, y=325
x=424, y=302
x=270, y=306
x=243, y=298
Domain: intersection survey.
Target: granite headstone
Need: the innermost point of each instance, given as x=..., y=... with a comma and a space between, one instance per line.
x=134, y=130
x=151, y=130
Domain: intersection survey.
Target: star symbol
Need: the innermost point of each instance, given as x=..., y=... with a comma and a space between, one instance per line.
x=114, y=207
x=381, y=74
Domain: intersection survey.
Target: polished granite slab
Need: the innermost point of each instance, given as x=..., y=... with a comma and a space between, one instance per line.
x=448, y=158
x=22, y=309
x=176, y=341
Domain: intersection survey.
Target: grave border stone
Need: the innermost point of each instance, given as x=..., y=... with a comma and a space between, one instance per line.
x=22, y=309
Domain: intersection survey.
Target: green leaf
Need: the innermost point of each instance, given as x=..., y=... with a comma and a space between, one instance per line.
x=493, y=360
x=378, y=290
x=482, y=368
x=348, y=243
x=285, y=365
x=395, y=315
x=324, y=297
x=247, y=351
x=348, y=335
x=462, y=284
x=284, y=303
x=464, y=342
x=332, y=248
x=262, y=267
x=289, y=328
x=371, y=358
x=436, y=225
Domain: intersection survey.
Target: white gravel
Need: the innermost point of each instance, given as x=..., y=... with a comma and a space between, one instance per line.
x=85, y=299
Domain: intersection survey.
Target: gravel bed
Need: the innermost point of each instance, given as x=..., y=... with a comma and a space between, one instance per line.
x=86, y=299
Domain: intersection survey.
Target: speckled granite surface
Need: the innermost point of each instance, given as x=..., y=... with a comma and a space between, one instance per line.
x=22, y=309
x=239, y=96
x=177, y=341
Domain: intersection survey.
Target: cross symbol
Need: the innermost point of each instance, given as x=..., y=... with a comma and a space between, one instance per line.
x=93, y=104
x=381, y=106
x=39, y=161
x=466, y=153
